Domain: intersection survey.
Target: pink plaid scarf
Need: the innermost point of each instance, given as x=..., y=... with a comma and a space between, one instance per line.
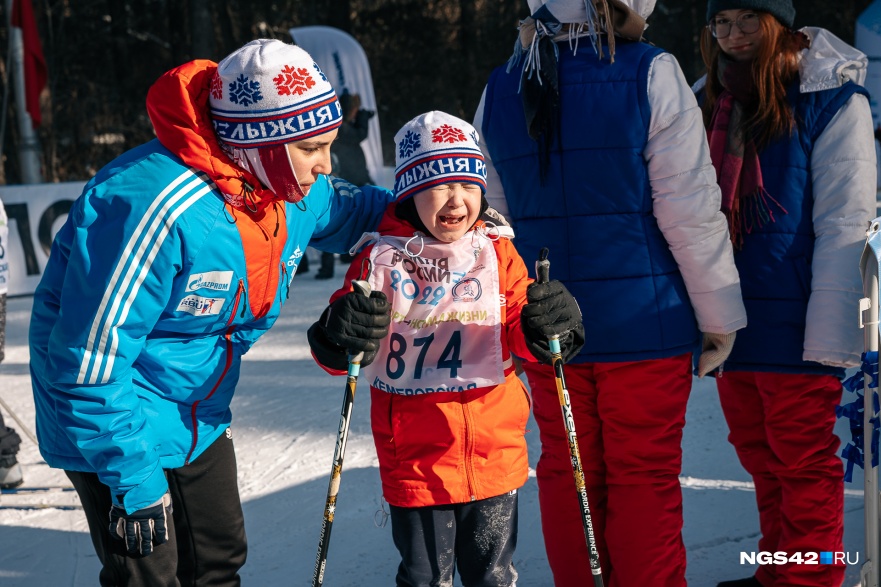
x=745, y=202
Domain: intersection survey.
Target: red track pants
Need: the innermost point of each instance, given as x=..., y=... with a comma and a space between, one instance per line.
x=629, y=419
x=782, y=429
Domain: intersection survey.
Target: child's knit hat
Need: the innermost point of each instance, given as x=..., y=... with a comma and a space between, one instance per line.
x=271, y=93
x=436, y=148
x=783, y=10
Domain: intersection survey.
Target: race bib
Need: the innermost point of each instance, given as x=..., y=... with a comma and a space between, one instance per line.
x=445, y=333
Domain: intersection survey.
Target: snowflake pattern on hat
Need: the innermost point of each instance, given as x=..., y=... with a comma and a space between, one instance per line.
x=244, y=92
x=447, y=134
x=437, y=148
x=271, y=93
x=320, y=73
x=409, y=144
x=293, y=80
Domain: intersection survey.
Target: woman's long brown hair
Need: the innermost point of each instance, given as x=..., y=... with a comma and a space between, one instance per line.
x=774, y=68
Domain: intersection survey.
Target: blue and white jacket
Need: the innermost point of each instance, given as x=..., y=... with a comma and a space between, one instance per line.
x=630, y=209
x=800, y=274
x=155, y=288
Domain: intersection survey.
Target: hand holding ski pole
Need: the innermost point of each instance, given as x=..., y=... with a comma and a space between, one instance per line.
x=355, y=322
x=551, y=313
x=542, y=271
x=354, y=359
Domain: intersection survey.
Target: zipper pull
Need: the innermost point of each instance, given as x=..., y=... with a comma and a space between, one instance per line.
x=287, y=282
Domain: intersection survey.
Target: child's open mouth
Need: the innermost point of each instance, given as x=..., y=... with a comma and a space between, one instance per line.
x=451, y=219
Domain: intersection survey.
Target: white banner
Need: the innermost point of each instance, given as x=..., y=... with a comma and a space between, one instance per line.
x=344, y=62
x=35, y=212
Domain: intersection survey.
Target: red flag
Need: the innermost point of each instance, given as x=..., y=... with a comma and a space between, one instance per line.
x=35, y=74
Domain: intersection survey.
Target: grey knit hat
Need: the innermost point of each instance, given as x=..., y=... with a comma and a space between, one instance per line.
x=783, y=10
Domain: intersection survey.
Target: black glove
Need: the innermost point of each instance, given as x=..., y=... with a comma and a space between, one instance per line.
x=352, y=324
x=550, y=310
x=142, y=529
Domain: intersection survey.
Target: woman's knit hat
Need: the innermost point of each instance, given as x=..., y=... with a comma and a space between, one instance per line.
x=270, y=93
x=783, y=10
x=436, y=148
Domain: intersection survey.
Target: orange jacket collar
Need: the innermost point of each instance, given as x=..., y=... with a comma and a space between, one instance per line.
x=178, y=108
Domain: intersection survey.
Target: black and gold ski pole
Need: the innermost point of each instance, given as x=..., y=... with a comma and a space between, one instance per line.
x=542, y=273
x=333, y=488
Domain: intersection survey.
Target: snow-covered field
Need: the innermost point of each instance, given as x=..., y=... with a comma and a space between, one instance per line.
x=285, y=418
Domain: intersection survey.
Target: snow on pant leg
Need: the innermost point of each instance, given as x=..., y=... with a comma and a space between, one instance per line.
x=426, y=539
x=478, y=538
x=744, y=412
x=119, y=569
x=799, y=424
x=212, y=546
x=486, y=537
x=561, y=522
x=642, y=407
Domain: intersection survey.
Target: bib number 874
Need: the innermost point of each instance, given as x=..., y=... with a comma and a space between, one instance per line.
x=395, y=366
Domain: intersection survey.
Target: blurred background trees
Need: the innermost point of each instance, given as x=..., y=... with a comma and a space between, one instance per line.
x=103, y=55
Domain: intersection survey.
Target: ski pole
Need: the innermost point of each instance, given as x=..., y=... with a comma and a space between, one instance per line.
x=542, y=273
x=333, y=488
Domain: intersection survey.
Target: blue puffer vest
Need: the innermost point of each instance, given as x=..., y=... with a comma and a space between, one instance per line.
x=775, y=261
x=594, y=211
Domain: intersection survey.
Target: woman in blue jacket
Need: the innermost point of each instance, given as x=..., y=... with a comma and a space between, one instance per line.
x=790, y=135
x=177, y=257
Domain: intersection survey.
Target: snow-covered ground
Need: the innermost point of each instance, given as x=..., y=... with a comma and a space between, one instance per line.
x=285, y=417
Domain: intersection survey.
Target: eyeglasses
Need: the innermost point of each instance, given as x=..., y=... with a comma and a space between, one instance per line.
x=748, y=23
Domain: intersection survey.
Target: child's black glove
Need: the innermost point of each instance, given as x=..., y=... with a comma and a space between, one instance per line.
x=352, y=324
x=550, y=310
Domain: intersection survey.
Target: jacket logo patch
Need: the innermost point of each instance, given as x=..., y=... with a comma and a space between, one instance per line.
x=293, y=260
x=199, y=306
x=217, y=280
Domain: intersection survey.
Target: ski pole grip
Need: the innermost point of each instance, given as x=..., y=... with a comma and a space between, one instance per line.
x=362, y=287
x=542, y=275
x=542, y=267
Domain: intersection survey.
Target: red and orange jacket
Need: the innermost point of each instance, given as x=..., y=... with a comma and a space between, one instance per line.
x=455, y=446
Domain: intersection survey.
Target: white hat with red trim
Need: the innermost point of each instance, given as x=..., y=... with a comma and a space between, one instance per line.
x=436, y=148
x=270, y=93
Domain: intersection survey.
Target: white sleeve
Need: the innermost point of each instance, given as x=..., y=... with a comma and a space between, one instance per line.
x=495, y=195
x=844, y=184
x=687, y=200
